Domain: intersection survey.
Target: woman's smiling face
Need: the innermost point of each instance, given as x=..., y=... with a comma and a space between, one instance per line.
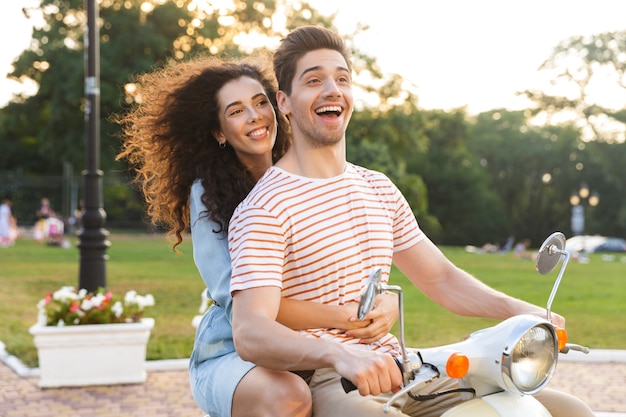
x=247, y=120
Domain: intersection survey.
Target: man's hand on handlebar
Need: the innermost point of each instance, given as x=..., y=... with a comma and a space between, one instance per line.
x=371, y=372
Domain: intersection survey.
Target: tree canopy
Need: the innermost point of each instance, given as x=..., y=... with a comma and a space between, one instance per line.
x=592, y=71
x=469, y=179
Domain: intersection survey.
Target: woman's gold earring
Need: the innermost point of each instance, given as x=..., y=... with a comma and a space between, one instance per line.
x=222, y=144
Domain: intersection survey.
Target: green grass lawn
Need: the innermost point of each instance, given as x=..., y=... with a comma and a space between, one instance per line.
x=591, y=295
x=145, y=263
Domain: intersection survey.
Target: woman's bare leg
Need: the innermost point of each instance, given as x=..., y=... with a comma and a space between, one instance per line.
x=268, y=393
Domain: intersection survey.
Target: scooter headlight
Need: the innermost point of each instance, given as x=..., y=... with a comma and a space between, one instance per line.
x=529, y=361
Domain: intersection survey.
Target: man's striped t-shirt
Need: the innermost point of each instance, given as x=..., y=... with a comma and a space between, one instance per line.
x=319, y=239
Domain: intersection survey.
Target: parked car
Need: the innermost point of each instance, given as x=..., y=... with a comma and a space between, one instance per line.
x=592, y=244
x=612, y=244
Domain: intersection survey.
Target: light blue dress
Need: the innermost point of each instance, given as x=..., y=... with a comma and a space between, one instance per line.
x=215, y=369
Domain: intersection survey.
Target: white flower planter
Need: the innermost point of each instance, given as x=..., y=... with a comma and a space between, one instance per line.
x=92, y=354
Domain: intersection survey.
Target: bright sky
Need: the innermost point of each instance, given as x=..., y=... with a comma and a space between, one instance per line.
x=475, y=53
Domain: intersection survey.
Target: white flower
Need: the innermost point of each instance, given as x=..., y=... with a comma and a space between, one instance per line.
x=92, y=302
x=145, y=301
x=141, y=301
x=42, y=317
x=98, y=299
x=65, y=293
x=87, y=305
x=130, y=297
x=117, y=309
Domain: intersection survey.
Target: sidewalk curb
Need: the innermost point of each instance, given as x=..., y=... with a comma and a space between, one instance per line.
x=16, y=365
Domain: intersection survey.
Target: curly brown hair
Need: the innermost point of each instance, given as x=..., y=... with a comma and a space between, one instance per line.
x=168, y=140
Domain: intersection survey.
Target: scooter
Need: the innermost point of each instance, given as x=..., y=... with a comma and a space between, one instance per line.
x=499, y=368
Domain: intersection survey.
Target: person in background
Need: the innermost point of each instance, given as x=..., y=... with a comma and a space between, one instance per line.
x=43, y=213
x=45, y=209
x=315, y=226
x=8, y=224
x=201, y=135
x=520, y=250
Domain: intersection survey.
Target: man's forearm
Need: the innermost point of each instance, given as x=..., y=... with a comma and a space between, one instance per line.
x=270, y=344
x=259, y=338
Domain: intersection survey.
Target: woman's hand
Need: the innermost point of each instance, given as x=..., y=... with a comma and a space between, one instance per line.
x=378, y=322
x=298, y=314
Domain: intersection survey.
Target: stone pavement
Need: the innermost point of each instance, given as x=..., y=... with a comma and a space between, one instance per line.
x=165, y=393
x=598, y=378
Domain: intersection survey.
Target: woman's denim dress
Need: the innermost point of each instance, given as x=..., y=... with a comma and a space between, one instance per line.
x=215, y=369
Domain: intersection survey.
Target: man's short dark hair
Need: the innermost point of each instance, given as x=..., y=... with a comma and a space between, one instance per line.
x=300, y=42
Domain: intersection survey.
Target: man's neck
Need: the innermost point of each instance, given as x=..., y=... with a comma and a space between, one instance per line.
x=315, y=162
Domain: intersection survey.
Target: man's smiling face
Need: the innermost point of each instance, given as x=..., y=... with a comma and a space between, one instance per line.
x=320, y=105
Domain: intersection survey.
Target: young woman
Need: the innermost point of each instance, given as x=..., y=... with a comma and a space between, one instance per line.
x=199, y=137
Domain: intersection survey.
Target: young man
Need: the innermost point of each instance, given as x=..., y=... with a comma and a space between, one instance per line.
x=315, y=226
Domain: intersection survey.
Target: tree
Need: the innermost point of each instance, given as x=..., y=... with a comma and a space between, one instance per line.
x=135, y=36
x=458, y=189
x=604, y=173
x=131, y=41
x=380, y=140
x=47, y=130
x=532, y=168
x=581, y=66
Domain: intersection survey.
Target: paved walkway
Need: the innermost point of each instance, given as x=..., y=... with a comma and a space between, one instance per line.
x=598, y=378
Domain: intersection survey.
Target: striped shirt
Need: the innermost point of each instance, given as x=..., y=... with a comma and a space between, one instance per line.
x=319, y=239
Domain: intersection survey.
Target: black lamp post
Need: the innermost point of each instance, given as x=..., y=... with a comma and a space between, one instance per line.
x=577, y=200
x=92, y=235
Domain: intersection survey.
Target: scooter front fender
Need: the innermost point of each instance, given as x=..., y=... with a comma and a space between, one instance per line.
x=499, y=405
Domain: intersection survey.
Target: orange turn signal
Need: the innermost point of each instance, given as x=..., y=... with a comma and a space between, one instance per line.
x=457, y=365
x=561, y=334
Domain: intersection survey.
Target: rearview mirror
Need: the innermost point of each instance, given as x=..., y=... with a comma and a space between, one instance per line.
x=373, y=287
x=550, y=253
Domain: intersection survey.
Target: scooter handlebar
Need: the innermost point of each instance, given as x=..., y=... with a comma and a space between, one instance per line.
x=348, y=386
x=575, y=347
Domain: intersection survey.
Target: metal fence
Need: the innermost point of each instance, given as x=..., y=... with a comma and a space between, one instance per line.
x=123, y=205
